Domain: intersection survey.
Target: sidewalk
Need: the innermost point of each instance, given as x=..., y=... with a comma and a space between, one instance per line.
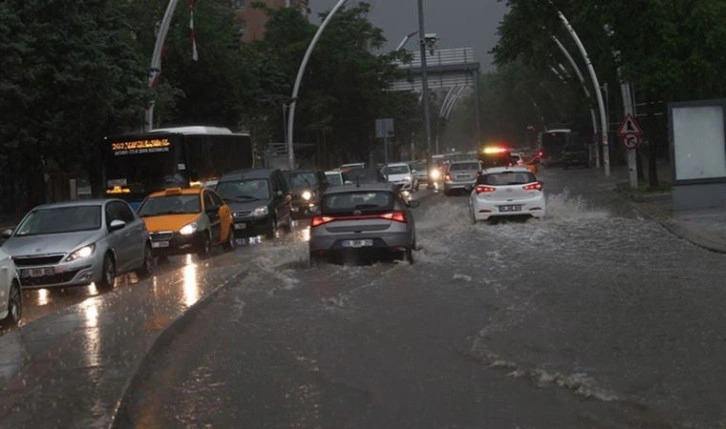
x=704, y=228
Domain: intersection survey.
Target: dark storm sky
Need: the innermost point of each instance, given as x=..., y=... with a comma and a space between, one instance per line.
x=459, y=23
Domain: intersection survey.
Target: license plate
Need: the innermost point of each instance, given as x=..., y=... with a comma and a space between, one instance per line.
x=37, y=272
x=159, y=244
x=510, y=208
x=240, y=226
x=357, y=244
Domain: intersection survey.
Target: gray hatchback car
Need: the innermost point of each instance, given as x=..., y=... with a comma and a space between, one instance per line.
x=461, y=176
x=366, y=218
x=78, y=243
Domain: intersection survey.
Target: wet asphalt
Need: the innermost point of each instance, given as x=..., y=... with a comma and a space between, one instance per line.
x=591, y=318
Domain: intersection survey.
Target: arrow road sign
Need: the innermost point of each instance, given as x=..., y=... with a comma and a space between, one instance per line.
x=631, y=140
x=629, y=126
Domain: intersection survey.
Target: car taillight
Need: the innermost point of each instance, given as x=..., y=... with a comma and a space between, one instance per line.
x=448, y=176
x=536, y=186
x=320, y=220
x=396, y=216
x=480, y=189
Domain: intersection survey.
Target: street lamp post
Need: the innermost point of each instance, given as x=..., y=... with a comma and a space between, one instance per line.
x=596, y=85
x=156, y=59
x=298, y=81
x=425, y=88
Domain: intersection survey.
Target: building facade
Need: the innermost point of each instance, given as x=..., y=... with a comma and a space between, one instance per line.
x=252, y=20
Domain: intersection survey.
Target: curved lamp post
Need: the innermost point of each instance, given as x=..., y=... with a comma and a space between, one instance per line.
x=155, y=69
x=298, y=81
x=596, y=84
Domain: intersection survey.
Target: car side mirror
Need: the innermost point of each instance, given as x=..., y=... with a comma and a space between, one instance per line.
x=116, y=224
x=7, y=233
x=413, y=203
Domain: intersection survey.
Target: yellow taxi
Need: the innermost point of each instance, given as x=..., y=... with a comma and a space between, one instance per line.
x=188, y=220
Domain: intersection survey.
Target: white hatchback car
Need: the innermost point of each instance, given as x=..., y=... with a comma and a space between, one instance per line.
x=11, y=299
x=507, y=191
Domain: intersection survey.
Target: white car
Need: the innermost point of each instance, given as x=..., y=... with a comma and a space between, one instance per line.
x=507, y=191
x=400, y=174
x=11, y=299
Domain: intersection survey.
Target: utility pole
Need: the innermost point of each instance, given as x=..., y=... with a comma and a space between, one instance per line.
x=425, y=88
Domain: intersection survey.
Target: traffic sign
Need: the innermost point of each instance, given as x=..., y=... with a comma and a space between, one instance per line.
x=384, y=128
x=631, y=140
x=629, y=126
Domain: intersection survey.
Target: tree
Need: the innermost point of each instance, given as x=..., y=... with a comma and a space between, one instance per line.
x=71, y=78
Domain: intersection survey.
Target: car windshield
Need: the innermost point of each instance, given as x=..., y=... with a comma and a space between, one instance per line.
x=507, y=178
x=61, y=219
x=464, y=166
x=301, y=179
x=170, y=204
x=334, y=178
x=244, y=190
x=360, y=200
x=396, y=169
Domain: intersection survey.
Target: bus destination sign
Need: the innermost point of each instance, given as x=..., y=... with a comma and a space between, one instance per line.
x=140, y=146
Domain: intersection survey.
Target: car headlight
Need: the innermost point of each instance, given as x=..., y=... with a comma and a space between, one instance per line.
x=408, y=178
x=189, y=229
x=83, y=252
x=435, y=173
x=306, y=195
x=260, y=211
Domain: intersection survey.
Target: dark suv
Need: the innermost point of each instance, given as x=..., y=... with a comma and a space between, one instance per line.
x=306, y=187
x=260, y=201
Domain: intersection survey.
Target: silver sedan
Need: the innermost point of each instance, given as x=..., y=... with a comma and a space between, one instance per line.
x=78, y=243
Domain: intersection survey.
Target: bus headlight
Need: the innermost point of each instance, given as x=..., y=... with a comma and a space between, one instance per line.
x=306, y=195
x=260, y=211
x=189, y=229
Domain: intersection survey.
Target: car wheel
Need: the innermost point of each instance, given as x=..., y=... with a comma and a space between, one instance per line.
x=108, y=273
x=409, y=253
x=272, y=231
x=205, y=249
x=15, y=305
x=231, y=242
x=473, y=216
x=147, y=268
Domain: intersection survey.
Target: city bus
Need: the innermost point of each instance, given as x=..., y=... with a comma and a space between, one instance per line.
x=552, y=143
x=135, y=165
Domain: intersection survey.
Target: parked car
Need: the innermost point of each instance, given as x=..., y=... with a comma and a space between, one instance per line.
x=305, y=188
x=507, y=191
x=11, y=298
x=79, y=242
x=187, y=220
x=260, y=201
x=400, y=174
x=370, y=218
x=461, y=175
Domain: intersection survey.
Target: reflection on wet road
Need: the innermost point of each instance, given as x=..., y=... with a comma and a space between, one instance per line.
x=189, y=269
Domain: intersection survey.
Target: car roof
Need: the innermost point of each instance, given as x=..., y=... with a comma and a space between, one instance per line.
x=464, y=161
x=397, y=164
x=77, y=203
x=249, y=173
x=513, y=169
x=363, y=187
x=177, y=191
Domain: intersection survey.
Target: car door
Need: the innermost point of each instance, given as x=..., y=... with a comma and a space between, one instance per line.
x=118, y=241
x=212, y=211
x=225, y=216
x=282, y=199
x=136, y=236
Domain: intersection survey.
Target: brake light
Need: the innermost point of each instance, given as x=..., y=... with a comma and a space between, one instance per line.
x=480, y=189
x=320, y=220
x=396, y=216
x=536, y=186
